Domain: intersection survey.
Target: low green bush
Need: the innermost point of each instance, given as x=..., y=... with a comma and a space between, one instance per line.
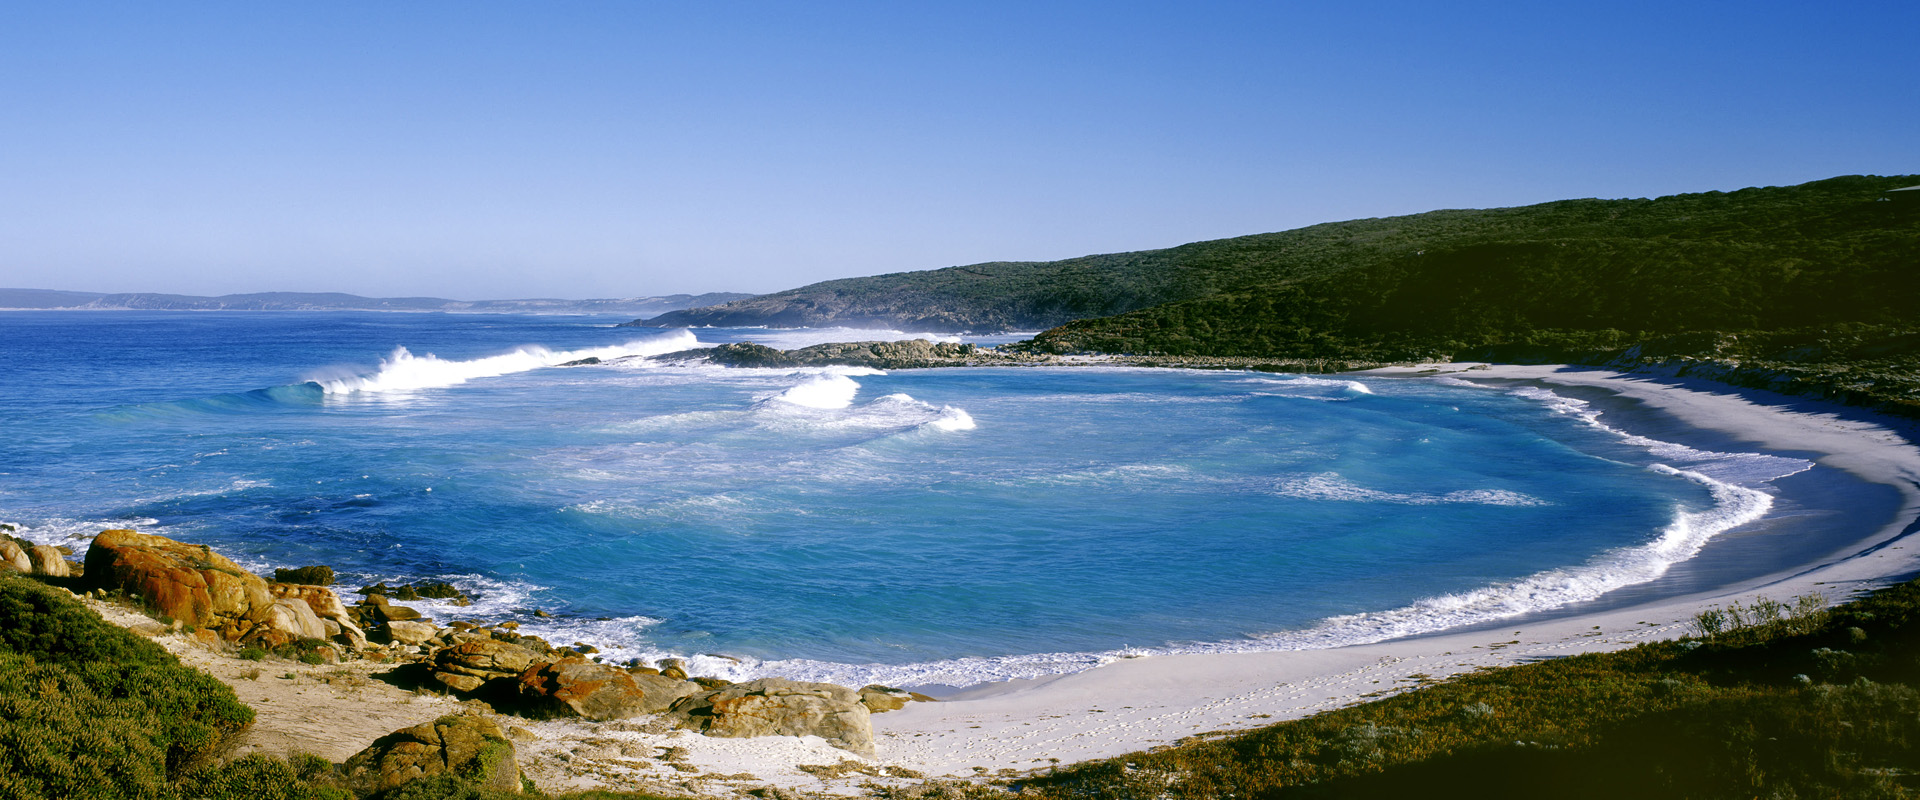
x=1776, y=700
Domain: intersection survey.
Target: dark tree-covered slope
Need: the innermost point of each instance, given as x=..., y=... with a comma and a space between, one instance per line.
x=1597, y=273
x=1767, y=257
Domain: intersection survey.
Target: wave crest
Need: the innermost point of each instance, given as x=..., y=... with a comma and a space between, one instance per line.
x=402, y=371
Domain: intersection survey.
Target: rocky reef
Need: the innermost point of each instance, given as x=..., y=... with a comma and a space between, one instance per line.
x=493, y=667
x=906, y=354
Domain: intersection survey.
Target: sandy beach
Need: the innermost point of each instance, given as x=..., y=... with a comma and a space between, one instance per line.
x=1001, y=730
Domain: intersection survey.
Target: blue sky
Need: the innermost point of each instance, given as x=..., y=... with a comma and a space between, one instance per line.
x=586, y=149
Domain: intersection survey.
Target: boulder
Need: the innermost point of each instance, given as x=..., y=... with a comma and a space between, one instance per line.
x=296, y=619
x=468, y=747
x=14, y=557
x=312, y=576
x=187, y=582
x=780, y=707
x=577, y=687
x=196, y=586
x=408, y=632
x=464, y=667
x=326, y=605
x=880, y=699
x=49, y=561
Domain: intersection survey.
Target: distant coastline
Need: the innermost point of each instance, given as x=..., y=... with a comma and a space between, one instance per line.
x=57, y=300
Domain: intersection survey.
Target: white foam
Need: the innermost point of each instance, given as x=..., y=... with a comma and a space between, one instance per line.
x=493, y=599
x=1682, y=539
x=402, y=371
x=1747, y=469
x=1310, y=388
x=826, y=391
x=1331, y=486
x=78, y=534
x=824, y=402
x=952, y=419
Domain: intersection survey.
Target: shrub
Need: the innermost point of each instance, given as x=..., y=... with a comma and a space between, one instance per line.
x=88, y=702
x=260, y=777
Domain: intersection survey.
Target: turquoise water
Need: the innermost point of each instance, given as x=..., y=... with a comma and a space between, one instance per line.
x=936, y=526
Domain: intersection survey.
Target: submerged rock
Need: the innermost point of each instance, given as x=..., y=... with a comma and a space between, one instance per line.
x=419, y=590
x=468, y=747
x=780, y=707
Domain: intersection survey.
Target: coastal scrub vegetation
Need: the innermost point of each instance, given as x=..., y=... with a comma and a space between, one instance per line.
x=1807, y=289
x=91, y=711
x=1771, y=257
x=1770, y=700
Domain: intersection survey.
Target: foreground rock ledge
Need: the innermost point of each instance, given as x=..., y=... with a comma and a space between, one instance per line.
x=494, y=665
x=196, y=586
x=468, y=747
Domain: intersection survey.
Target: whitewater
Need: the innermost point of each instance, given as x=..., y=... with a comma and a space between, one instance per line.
x=929, y=527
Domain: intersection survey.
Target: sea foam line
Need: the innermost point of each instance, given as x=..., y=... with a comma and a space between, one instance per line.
x=402, y=371
x=1682, y=539
x=1747, y=469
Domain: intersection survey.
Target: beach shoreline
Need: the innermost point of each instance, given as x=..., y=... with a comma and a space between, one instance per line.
x=1007, y=729
x=1136, y=704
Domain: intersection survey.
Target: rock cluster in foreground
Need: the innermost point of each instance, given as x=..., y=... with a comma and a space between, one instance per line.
x=226, y=606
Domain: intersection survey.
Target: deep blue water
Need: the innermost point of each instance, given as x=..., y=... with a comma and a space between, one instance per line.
x=941, y=526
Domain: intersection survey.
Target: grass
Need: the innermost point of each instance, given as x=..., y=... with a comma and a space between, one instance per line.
x=1770, y=700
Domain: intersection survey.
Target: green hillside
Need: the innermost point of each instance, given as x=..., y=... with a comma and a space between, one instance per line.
x=1575, y=273
x=1773, y=257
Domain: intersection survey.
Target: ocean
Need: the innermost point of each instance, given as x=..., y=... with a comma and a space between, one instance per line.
x=920, y=527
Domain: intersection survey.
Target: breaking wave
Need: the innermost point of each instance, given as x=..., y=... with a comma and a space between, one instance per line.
x=402, y=371
x=1741, y=468
x=825, y=402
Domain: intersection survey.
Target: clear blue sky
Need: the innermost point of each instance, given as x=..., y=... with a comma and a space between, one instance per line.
x=604, y=149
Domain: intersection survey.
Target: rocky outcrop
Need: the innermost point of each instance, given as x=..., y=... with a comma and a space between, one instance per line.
x=466, y=666
x=199, y=587
x=407, y=632
x=187, y=582
x=49, y=561
x=419, y=590
x=313, y=576
x=335, y=622
x=780, y=707
x=14, y=555
x=908, y=354
x=880, y=699
x=577, y=687
x=471, y=748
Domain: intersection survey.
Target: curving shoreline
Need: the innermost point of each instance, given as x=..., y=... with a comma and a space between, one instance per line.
x=1135, y=704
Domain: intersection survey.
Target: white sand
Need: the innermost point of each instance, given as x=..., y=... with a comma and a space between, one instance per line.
x=1134, y=704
